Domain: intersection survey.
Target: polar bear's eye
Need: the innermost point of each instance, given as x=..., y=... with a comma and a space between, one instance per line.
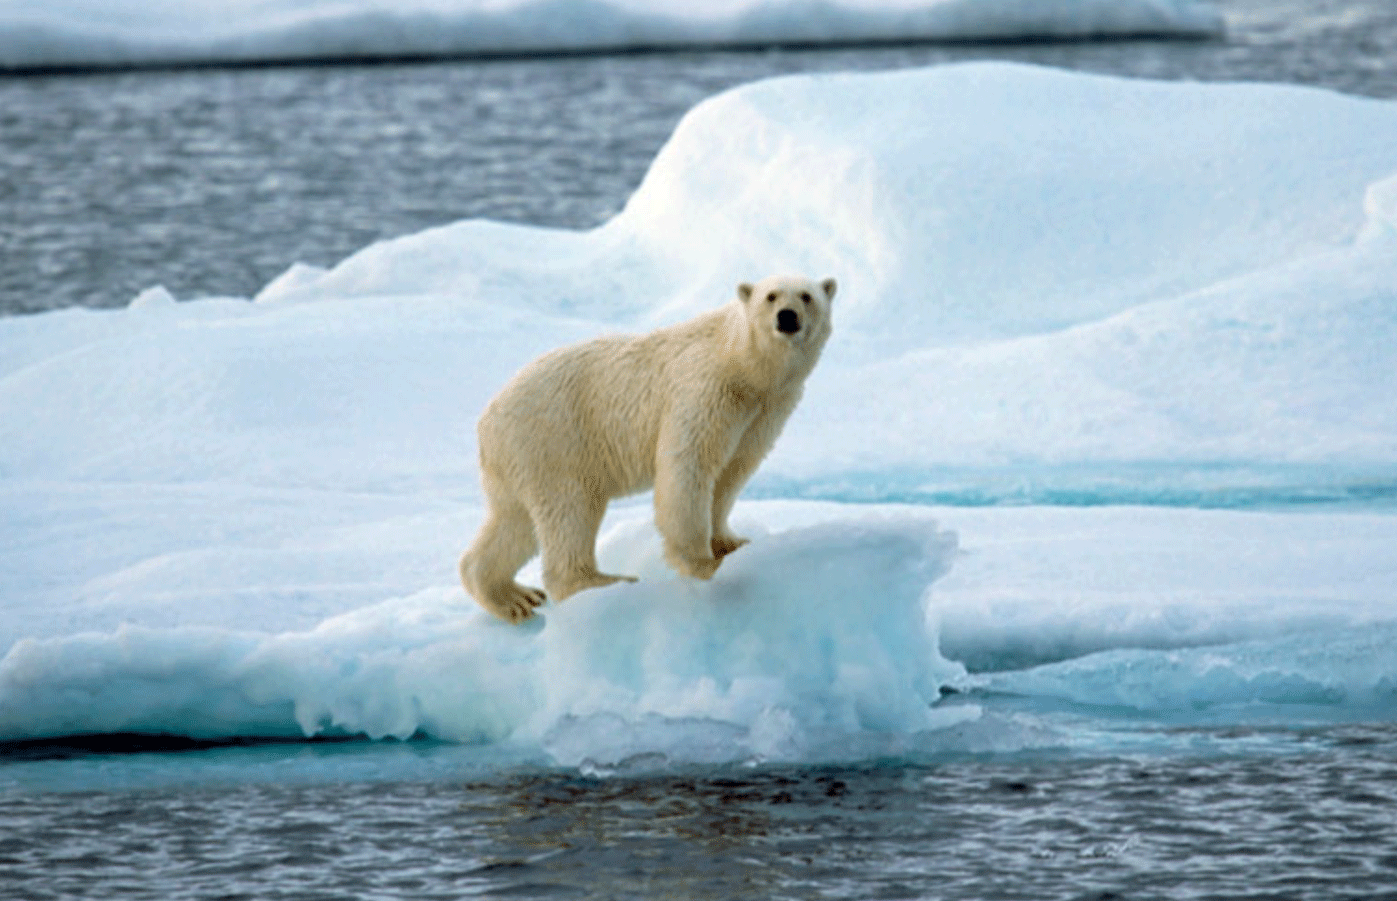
x=771, y=298
x=805, y=297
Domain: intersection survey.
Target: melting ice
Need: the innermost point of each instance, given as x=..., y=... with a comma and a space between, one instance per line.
x=228, y=517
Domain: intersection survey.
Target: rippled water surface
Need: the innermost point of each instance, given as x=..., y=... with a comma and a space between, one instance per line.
x=1313, y=820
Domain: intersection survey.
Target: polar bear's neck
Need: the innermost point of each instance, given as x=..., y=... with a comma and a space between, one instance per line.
x=766, y=360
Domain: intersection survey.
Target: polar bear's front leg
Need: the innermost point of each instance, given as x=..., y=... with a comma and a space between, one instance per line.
x=688, y=543
x=692, y=499
x=746, y=457
x=684, y=517
x=725, y=541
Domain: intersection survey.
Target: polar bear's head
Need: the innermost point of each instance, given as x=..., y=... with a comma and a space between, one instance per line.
x=789, y=309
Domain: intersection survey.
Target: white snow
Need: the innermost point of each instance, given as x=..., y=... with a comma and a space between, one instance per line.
x=99, y=33
x=824, y=624
x=227, y=517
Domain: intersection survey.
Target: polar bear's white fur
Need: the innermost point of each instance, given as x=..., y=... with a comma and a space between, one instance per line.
x=690, y=410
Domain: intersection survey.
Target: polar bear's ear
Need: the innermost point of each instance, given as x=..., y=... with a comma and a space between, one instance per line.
x=829, y=285
x=744, y=291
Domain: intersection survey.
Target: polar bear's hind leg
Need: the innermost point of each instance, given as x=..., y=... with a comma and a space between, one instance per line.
x=567, y=523
x=505, y=543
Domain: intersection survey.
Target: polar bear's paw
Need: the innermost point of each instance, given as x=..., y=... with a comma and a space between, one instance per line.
x=565, y=586
x=694, y=565
x=726, y=544
x=514, y=603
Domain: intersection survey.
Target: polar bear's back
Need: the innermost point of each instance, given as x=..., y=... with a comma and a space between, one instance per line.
x=590, y=410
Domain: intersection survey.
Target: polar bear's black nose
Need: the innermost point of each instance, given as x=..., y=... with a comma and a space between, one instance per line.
x=788, y=322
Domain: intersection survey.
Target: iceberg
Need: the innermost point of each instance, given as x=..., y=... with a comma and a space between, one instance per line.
x=1039, y=288
x=1079, y=315
x=819, y=635
x=82, y=34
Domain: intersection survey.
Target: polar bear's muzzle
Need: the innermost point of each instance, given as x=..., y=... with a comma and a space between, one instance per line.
x=788, y=322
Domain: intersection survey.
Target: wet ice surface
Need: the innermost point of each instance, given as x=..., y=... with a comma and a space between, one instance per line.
x=1310, y=816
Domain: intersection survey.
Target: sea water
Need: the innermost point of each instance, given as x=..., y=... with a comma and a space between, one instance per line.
x=1235, y=785
x=1254, y=814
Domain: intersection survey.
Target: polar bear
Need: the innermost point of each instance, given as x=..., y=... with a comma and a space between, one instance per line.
x=689, y=410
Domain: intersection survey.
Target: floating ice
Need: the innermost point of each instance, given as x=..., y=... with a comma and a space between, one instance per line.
x=1353, y=670
x=114, y=33
x=225, y=517
x=814, y=635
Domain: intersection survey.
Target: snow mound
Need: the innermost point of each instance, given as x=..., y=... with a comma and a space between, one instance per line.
x=1169, y=284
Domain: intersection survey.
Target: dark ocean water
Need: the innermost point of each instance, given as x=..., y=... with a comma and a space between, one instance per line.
x=213, y=182
x=1315, y=821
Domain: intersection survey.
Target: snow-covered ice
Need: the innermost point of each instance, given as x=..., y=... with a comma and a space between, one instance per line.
x=774, y=646
x=113, y=33
x=1135, y=300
